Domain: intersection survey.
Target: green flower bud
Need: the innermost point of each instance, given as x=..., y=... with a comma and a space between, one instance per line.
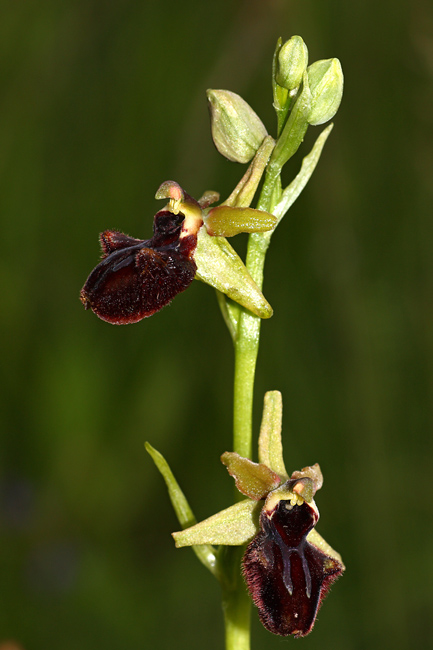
x=291, y=63
x=325, y=79
x=236, y=129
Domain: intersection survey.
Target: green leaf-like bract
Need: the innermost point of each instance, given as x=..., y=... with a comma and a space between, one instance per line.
x=206, y=554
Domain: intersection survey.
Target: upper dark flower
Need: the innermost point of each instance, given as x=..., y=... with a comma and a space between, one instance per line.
x=137, y=277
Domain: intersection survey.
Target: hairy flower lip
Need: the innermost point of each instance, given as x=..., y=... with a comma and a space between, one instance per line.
x=286, y=574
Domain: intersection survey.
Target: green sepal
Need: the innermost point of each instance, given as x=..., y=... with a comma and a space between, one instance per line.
x=242, y=196
x=270, y=443
x=226, y=221
x=219, y=265
x=206, y=554
x=233, y=526
x=255, y=480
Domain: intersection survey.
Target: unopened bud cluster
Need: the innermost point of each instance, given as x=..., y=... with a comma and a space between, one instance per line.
x=303, y=95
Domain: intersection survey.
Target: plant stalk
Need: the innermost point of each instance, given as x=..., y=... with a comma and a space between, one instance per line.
x=236, y=600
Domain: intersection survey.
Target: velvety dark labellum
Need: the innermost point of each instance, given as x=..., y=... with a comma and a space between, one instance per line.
x=136, y=278
x=286, y=575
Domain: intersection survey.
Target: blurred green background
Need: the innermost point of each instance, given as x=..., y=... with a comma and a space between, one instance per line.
x=101, y=101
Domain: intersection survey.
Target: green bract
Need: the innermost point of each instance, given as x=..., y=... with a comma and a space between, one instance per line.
x=295, y=127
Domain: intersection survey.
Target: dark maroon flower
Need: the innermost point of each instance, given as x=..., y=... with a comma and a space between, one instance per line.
x=287, y=565
x=288, y=576
x=137, y=278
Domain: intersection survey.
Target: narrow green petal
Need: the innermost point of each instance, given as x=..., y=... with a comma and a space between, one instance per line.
x=244, y=191
x=255, y=480
x=226, y=221
x=270, y=444
x=317, y=540
x=233, y=526
x=206, y=554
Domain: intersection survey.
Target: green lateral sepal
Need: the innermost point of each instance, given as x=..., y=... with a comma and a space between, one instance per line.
x=219, y=265
x=233, y=526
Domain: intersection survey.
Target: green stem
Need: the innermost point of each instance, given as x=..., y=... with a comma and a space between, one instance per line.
x=246, y=351
x=236, y=601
